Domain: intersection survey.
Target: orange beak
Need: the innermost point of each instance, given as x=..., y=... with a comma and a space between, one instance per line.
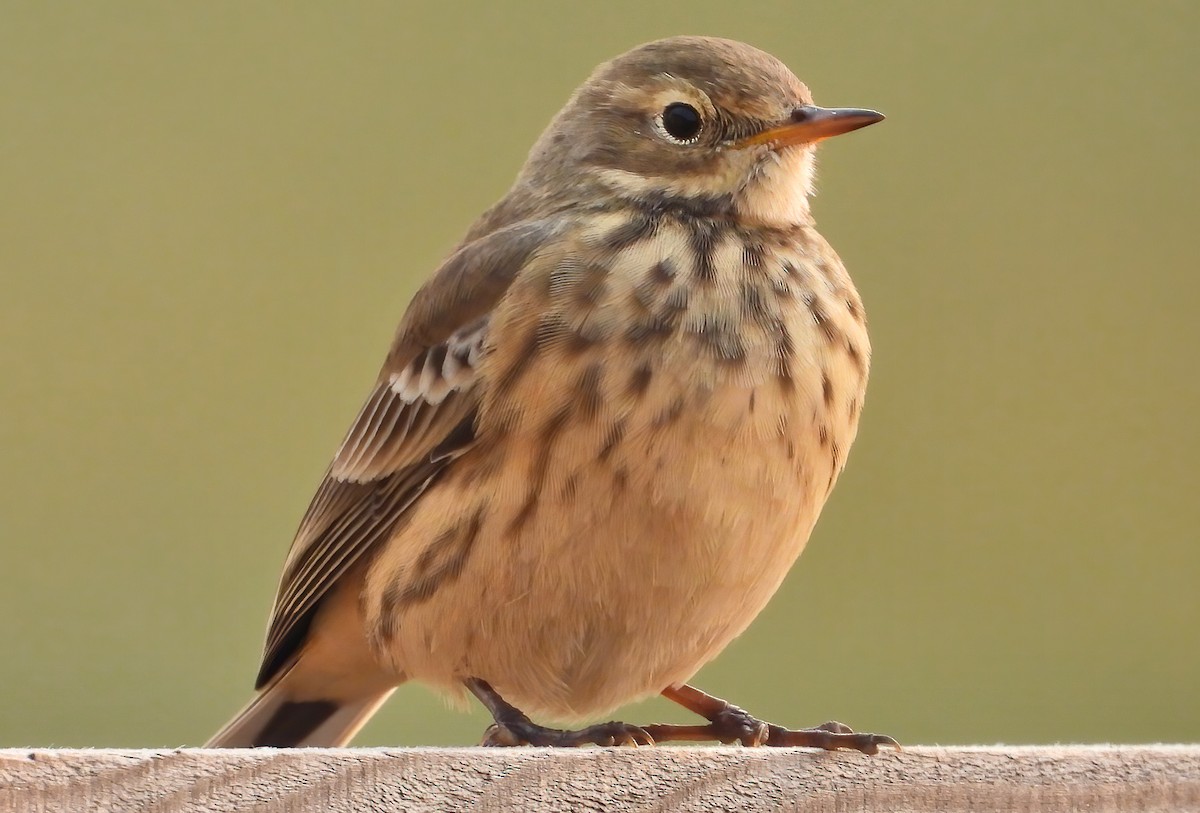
x=811, y=124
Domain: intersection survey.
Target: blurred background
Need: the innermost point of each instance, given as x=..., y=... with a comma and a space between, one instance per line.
x=213, y=214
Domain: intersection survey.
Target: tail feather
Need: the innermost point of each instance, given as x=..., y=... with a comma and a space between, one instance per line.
x=274, y=721
x=275, y=718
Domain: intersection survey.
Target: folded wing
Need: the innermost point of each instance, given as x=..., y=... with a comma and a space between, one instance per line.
x=419, y=418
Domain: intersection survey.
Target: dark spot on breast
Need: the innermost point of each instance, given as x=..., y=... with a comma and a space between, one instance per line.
x=823, y=434
x=668, y=416
x=828, y=329
x=856, y=356
x=826, y=388
x=588, y=391
x=854, y=309
x=528, y=508
x=570, y=488
x=648, y=291
x=547, y=439
x=575, y=336
x=754, y=306
x=579, y=342
x=720, y=340
x=785, y=353
x=428, y=556
x=661, y=323
x=639, y=380
x=590, y=285
x=783, y=375
x=663, y=271
x=549, y=436
x=519, y=362
x=654, y=327
x=612, y=439
x=440, y=563
x=753, y=254
x=620, y=478
x=835, y=468
x=702, y=237
x=641, y=225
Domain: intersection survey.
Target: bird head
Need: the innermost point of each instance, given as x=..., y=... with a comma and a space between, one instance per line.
x=705, y=124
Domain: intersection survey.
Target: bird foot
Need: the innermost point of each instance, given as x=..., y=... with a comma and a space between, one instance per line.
x=729, y=724
x=733, y=725
x=524, y=732
x=726, y=724
x=513, y=728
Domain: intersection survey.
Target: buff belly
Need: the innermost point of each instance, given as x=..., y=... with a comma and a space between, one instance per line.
x=624, y=575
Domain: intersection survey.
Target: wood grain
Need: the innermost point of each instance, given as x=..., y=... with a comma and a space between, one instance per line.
x=1092, y=778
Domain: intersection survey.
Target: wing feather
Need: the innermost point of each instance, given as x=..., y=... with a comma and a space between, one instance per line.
x=417, y=420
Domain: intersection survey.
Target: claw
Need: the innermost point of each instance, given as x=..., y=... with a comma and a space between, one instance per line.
x=632, y=736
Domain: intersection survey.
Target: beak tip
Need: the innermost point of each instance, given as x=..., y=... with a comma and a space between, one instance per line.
x=859, y=116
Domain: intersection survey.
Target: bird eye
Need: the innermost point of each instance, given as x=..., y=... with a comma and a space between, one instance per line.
x=681, y=121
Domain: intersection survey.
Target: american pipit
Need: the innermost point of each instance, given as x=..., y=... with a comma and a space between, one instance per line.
x=604, y=430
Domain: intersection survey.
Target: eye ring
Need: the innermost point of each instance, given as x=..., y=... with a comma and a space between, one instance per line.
x=680, y=122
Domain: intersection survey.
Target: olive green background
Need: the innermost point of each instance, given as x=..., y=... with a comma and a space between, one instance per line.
x=213, y=214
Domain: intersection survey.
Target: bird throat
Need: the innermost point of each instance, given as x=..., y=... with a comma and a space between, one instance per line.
x=777, y=191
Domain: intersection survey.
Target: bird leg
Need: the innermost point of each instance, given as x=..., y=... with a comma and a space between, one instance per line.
x=729, y=724
x=512, y=727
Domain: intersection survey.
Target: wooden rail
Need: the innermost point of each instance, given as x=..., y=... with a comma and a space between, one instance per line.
x=1086, y=778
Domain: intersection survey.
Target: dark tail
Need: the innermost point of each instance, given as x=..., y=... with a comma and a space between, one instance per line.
x=276, y=718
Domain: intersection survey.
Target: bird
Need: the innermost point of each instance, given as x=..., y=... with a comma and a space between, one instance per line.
x=603, y=432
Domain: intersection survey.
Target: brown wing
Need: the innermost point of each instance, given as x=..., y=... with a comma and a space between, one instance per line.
x=417, y=420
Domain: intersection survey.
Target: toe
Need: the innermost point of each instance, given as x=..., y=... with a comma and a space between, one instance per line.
x=621, y=734
x=829, y=739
